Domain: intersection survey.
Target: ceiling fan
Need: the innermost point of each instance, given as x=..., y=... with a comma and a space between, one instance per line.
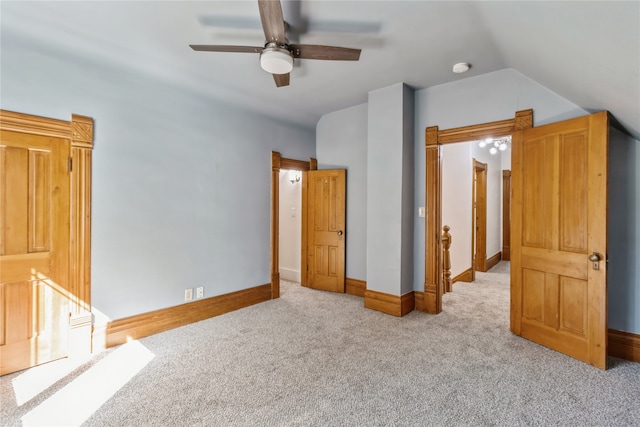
x=277, y=55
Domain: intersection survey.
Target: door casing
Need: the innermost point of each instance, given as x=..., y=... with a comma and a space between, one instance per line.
x=434, y=139
x=277, y=163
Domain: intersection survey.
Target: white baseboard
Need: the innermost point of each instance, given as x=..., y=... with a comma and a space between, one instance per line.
x=290, y=274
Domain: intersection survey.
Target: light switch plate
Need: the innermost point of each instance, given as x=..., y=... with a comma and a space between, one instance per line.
x=421, y=212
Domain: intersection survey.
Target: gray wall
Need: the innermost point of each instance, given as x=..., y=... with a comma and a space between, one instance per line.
x=389, y=183
x=181, y=183
x=624, y=232
x=344, y=146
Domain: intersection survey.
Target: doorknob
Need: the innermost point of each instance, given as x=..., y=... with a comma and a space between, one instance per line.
x=340, y=233
x=595, y=259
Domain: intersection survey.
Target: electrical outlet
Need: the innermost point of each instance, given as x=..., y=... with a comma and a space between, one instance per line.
x=188, y=294
x=200, y=292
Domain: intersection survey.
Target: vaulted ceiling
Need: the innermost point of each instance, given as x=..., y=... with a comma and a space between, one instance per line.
x=586, y=52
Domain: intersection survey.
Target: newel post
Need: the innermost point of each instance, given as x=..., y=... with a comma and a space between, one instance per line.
x=446, y=258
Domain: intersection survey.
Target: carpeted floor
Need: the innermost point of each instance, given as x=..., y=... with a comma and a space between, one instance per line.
x=314, y=358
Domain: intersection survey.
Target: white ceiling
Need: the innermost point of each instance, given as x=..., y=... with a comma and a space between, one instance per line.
x=586, y=52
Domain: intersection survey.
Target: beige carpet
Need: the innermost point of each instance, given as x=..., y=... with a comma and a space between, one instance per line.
x=314, y=358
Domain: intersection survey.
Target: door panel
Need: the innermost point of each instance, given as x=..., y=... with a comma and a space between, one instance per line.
x=326, y=228
x=34, y=250
x=559, y=175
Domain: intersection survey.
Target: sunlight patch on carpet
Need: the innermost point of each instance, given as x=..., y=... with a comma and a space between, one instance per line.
x=77, y=401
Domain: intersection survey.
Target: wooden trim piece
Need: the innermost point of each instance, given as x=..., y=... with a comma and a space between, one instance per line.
x=291, y=164
x=80, y=238
x=465, y=276
x=522, y=120
x=355, y=287
x=34, y=125
x=143, y=325
x=433, y=252
x=419, y=297
x=390, y=304
x=304, y=236
x=624, y=345
x=275, y=224
x=493, y=261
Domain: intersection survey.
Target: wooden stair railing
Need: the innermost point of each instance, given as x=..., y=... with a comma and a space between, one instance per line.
x=446, y=258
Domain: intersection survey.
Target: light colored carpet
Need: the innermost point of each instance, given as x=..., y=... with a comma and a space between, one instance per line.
x=314, y=358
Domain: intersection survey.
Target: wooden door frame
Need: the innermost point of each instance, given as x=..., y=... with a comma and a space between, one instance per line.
x=277, y=163
x=478, y=263
x=434, y=139
x=506, y=215
x=79, y=132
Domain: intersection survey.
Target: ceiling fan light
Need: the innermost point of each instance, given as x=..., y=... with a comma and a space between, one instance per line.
x=276, y=60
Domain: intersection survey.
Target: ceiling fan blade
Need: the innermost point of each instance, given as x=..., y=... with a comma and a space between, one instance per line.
x=281, y=79
x=225, y=48
x=235, y=22
x=316, y=51
x=272, y=21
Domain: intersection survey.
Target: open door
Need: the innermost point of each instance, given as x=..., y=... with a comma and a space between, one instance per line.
x=34, y=249
x=559, y=237
x=325, y=229
x=479, y=229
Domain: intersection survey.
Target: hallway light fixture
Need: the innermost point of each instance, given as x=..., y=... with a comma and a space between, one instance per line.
x=495, y=145
x=294, y=176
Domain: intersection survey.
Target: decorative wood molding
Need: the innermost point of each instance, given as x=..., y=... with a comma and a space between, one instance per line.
x=624, y=345
x=493, y=261
x=523, y=120
x=275, y=161
x=465, y=276
x=313, y=164
x=81, y=131
x=298, y=165
x=304, y=268
x=434, y=138
x=275, y=224
x=419, y=297
x=143, y=325
x=35, y=125
x=355, y=287
x=390, y=304
x=433, y=270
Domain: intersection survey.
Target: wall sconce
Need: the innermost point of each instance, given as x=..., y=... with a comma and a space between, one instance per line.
x=294, y=176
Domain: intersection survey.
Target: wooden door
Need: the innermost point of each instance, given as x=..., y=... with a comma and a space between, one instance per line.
x=559, y=218
x=325, y=215
x=479, y=216
x=506, y=215
x=34, y=249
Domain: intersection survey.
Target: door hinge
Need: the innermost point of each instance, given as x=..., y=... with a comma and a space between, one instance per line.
x=70, y=164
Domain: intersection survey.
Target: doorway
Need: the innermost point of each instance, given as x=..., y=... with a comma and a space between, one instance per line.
x=290, y=225
x=278, y=163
